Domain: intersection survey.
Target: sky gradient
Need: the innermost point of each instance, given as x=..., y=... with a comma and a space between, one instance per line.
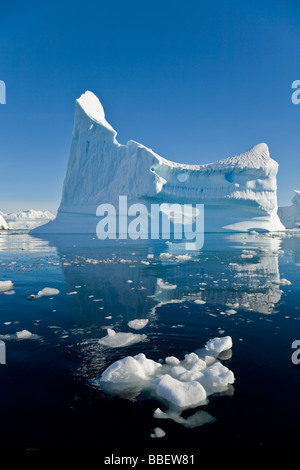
x=196, y=81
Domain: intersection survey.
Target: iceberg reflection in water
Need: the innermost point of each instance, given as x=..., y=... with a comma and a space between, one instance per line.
x=133, y=280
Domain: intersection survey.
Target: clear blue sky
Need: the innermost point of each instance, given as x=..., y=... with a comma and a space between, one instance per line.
x=195, y=81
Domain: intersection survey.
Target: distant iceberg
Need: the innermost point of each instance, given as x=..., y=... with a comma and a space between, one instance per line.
x=290, y=215
x=3, y=223
x=27, y=219
x=239, y=193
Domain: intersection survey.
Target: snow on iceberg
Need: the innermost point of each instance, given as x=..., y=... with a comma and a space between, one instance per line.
x=28, y=219
x=239, y=193
x=179, y=385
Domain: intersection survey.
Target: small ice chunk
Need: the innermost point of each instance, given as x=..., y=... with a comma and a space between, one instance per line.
x=182, y=394
x=165, y=255
x=231, y=311
x=48, y=291
x=199, y=302
x=183, y=257
x=198, y=419
x=23, y=334
x=158, y=433
x=5, y=285
x=72, y=293
x=217, y=345
x=138, y=324
x=111, y=332
x=118, y=340
x=9, y=292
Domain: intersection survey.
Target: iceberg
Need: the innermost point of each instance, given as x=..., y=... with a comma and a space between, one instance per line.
x=290, y=215
x=27, y=219
x=239, y=193
x=3, y=223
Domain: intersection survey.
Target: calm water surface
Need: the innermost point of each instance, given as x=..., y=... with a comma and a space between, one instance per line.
x=46, y=399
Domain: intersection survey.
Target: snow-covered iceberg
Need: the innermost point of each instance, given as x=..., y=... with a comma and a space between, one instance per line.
x=238, y=193
x=3, y=223
x=290, y=215
x=28, y=219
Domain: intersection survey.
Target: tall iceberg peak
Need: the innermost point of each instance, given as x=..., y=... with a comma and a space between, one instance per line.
x=91, y=105
x=238, y=193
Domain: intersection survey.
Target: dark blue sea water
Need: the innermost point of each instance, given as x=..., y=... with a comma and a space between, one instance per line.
x=47, y=401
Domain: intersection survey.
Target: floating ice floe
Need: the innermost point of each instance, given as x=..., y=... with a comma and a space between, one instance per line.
x=185, y=257
x=199, y=302
x=6, y=285
x=165, y=255
x=24, y=334
x=46, y=292
x=138, y=324
x=157, y=433
x=179, y=385
x=195, y=420
x=118, y=340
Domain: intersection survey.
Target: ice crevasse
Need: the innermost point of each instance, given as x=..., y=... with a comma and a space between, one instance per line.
x=239, y=193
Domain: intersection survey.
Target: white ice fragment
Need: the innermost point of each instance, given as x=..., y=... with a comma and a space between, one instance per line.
x=165, y=255
x=111, y=332
x=199, y=302
x=48, y=291
x=138, y=324
x=118, y=340
x=217, y=345
x=195, y=420
x=182, y=394
x=158, y=433
x=9, y=292
x=23, y=334
x=5, y=285
x=231, y=311
x=185, y=257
